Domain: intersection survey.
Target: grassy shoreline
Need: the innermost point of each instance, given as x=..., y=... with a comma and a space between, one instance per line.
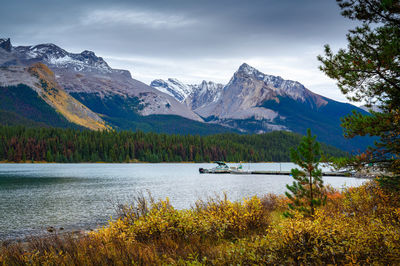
x=357, y=226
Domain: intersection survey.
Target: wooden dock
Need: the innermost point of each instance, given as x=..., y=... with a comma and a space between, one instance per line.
x=284, y=173
x=288, y=173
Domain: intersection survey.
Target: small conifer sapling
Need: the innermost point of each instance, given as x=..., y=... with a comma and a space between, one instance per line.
x=307, y=191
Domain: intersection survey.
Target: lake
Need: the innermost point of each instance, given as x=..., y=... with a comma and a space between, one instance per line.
x=84, y=196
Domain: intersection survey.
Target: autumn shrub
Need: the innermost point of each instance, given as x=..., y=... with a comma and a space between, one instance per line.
x=215, y=219
x=358, y=226
x=332, y=240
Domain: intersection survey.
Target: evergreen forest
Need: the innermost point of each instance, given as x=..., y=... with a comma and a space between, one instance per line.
x=23, y=144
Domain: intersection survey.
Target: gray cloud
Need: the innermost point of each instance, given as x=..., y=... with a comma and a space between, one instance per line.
x=189, y=40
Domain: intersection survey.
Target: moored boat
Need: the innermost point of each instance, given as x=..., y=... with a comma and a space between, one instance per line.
x=222, y=168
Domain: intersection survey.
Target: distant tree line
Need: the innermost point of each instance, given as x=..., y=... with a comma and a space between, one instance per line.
x=22, y=144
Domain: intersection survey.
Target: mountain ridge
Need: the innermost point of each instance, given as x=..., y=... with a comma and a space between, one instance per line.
x=85, y=73
x=100, y=96
x=254, y=102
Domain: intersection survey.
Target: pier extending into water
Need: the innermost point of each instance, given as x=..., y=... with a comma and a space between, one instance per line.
x=286, y=173
x=258, y=172
x=223, y=168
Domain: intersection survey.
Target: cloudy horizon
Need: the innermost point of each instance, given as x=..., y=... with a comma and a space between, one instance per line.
x=189, y=40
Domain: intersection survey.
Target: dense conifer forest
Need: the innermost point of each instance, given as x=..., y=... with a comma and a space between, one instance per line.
x=22, y=144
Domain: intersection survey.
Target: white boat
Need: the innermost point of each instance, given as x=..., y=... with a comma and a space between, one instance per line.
x=222, y=168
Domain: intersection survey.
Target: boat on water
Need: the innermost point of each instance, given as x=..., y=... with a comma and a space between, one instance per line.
x=222, y=168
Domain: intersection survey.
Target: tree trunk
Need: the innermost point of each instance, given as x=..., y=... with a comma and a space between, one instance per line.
x=311, y=191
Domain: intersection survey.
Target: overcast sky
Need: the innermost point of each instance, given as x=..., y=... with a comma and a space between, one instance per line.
x=187, y=39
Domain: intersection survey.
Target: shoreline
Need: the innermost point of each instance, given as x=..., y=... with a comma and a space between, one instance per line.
x=51, y=231
x=133, y=162
x=25, y=240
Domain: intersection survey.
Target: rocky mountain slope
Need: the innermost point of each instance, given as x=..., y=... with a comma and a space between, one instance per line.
x=14, y=71
x=90, y=76
x=254, y=102
x=248, y=89
x=109, y=96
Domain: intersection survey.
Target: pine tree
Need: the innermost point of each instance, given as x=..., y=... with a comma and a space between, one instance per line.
x=369, y=71
x=306, y=192
x=49, y=156
x=10, y=154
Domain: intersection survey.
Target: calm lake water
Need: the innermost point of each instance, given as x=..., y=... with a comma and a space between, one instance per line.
x=84, y=196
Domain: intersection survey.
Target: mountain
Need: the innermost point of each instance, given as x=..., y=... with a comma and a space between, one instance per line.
x=44, y=85
x=195, y=96
x=253, y=102
x=20, y=105
x=90, y=76
x=374, y=108
x=94, y=92
x=205, y=93
x=42, y=81
x=248, y=89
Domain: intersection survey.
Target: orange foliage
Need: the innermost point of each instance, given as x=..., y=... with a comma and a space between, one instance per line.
x=54, y=95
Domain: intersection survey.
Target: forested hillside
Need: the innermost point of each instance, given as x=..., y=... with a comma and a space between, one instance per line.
x=21, y=105
x=20, y=144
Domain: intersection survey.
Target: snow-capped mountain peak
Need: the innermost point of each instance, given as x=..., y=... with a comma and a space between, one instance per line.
x=205, y=93
x=206, y=86
x=247, y=69
x=194, y=95
x=57, y=57
x=88, y=54
x=173, y=87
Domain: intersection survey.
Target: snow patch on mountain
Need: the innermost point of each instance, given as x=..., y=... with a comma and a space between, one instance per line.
x=55, y=56
x=173, y=87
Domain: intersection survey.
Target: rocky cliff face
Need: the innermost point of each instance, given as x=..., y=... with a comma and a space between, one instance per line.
x=248, y=89
x=204, y=94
